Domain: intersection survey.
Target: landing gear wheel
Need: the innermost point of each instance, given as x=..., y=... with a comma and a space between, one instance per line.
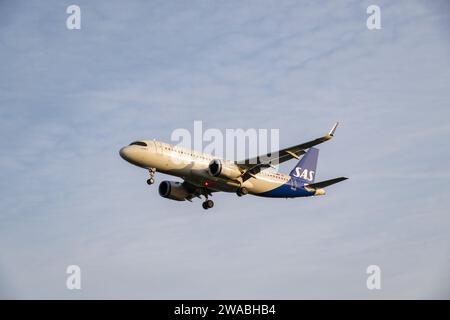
x=152, y=172
x=242, y=191
x=208, y=204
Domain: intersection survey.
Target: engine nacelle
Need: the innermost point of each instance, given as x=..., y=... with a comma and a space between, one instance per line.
x=218, y=168
x=173, y=190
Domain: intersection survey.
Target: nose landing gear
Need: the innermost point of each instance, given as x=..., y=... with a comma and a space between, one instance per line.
x=152, y=172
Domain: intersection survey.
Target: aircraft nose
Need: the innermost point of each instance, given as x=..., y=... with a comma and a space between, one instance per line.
x=131, y=154
x=125, y=153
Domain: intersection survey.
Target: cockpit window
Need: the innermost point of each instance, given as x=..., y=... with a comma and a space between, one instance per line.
x=138, y=143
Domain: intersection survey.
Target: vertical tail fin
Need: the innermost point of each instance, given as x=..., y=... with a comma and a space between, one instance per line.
x=305, y=170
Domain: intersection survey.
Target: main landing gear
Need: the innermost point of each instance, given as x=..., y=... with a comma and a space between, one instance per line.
x=152, y=172
x=242, y=191
x=208, y=204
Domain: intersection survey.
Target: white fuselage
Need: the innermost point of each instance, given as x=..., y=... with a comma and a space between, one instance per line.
x=193, y=167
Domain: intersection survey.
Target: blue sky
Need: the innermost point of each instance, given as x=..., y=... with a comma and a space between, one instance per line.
x=70, y=99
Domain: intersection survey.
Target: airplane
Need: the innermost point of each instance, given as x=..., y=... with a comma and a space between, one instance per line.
x=204, y=174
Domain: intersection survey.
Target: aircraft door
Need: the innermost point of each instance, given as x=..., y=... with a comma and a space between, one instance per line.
x=151, y=146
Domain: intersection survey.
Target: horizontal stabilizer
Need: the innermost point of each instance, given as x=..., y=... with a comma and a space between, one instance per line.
x=325, y=183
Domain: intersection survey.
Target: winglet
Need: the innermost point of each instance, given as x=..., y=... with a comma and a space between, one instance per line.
x=331, y=133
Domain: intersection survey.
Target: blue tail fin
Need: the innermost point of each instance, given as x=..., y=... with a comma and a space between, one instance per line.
x=305, y=170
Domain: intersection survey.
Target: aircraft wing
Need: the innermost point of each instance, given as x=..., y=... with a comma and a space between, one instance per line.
x=253, y=166
x=195, y=191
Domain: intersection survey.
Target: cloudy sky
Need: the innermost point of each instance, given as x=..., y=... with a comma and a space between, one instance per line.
x=70, y=99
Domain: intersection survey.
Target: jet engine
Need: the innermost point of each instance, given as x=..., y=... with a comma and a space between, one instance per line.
x=220, y=168
x=173, y=190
